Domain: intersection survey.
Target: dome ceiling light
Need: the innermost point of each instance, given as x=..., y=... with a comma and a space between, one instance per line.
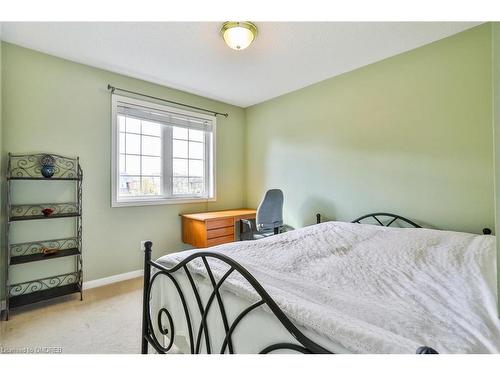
x=238, y=35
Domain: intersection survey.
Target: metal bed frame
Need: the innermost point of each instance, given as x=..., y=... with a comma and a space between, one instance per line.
x=379, y=218
x=167, y=334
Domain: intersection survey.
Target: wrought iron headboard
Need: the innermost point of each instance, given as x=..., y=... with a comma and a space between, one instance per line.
x=305, y=345
x=393, y=218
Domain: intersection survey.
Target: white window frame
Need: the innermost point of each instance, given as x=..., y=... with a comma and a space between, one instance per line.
x=166, y=198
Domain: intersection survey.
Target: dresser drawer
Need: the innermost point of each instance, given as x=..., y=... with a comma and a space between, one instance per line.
x=220, y=232
x=220, y=240
x=220, y=223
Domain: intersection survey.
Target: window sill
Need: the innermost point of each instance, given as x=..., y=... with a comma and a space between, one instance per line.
x=158, y=202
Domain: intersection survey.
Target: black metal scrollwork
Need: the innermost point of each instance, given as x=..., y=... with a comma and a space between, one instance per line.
x=37, y=247
x=302, y=344
x=378, y=217
x=42, y=284
x=30, y=166
x=29, y=210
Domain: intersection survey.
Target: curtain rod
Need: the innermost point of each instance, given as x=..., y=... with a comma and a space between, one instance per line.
x=113, y=89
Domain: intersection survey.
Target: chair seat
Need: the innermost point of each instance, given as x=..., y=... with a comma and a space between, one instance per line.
x=248, y=231
x=260, y=235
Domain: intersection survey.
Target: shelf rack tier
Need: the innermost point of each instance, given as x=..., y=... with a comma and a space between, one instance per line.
x=34, y=251
x=20, y=212
x=43, y=295
x=32, y=291
x=29, y=166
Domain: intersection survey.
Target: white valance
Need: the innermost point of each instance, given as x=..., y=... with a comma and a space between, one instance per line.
x=164, y=117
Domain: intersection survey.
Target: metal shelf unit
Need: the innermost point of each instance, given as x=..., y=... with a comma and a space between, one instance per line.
x=28, y=167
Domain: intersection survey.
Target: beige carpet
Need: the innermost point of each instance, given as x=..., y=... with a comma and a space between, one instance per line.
x=108, y=320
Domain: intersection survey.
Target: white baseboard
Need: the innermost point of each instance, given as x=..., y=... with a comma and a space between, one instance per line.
x=112, y=279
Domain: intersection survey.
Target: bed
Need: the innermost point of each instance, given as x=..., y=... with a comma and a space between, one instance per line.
x=333, y=287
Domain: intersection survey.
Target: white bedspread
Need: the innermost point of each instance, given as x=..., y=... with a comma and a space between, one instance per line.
x=375, y=289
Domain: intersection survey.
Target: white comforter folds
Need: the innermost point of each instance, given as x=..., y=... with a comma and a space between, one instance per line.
x=375, y=289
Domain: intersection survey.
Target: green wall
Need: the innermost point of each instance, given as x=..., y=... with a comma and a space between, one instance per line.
x=496, y=128
x=411, y=134
x=63, y=107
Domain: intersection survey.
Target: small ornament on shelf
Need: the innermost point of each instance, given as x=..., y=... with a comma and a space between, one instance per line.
x=48, y=165
x=46, y=251
x=47, y=211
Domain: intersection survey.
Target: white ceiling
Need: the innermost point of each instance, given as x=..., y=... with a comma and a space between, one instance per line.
x=191, y=56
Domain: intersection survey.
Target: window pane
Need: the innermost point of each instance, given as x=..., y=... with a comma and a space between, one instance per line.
x=196, y=186
x=133, y=125
x=130, y=186
x=133, y=144
x=151, y=165
x=122, y=163
x=151, y=186
x=121, y=123
x=195, y=150
x=180, y=185
x=180, y=133
x=180, y=167
x=142, y=146
x=196, y=135
x=122, y=143
x=151, y=128
x=196, y=168
x=180, y=149
x=151, y=146
x=133, y=164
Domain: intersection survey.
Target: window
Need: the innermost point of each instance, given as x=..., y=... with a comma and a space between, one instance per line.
x=160, y=154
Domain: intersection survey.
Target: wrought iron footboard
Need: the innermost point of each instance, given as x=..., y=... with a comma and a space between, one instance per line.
x=149, y=336
x=148, y=333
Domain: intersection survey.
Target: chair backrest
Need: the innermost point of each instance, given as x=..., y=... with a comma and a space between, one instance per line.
x=270, y=211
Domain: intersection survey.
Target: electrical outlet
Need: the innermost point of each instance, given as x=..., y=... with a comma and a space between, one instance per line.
x=142, y=244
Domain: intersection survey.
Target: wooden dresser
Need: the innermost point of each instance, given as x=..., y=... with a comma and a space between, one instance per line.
x=212, y=228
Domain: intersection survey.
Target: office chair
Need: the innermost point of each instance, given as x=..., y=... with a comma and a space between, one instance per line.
x=269, y=218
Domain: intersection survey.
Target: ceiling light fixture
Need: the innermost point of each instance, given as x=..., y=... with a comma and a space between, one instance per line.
x=238, y=35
